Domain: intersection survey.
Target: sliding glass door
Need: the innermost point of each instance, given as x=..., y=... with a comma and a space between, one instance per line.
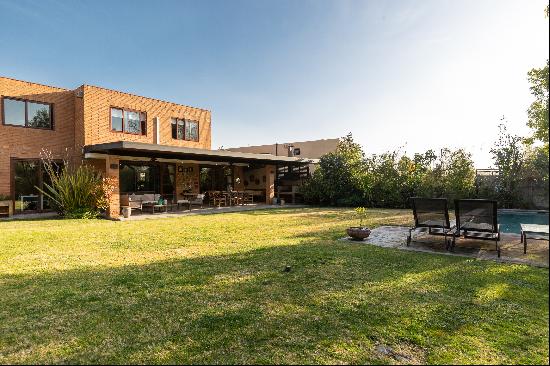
x=140, y=178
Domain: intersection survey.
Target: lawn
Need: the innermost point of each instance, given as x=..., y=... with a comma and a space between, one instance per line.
x=212, y=289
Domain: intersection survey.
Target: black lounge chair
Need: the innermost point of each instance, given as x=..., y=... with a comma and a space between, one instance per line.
x=431, y=215
x=477, y=219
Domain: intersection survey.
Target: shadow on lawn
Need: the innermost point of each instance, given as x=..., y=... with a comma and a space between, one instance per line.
x=336, y=304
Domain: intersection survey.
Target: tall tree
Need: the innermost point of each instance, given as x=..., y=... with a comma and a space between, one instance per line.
x=538, y=111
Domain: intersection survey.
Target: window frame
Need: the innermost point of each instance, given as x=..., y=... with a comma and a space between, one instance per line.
x=143, y=123
x=27, y=101
x=185, y=121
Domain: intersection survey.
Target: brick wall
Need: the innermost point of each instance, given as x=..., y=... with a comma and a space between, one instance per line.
x=27, y=143
x=82, y=117
x=97, y=127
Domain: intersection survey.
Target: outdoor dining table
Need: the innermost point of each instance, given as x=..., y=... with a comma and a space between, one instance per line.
x=233, y=198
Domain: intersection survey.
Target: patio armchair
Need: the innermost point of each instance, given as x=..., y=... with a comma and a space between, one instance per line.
x=216, y=198
x=237, y=198
x=477, y=219
x=248, y=198
x=431, y=215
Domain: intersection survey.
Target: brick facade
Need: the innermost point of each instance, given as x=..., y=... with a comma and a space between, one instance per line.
x=97, y=103
x=82, y=117
x=27, y=143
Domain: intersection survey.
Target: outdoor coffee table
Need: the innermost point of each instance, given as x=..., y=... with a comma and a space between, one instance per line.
x=537, y=232
x=157, y=207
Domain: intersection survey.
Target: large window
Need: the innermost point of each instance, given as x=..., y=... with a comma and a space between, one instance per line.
x=27, y=176
x=128, y=121
x=148, y=178
x=140, y=178
x=26, y=113
x=185, y=129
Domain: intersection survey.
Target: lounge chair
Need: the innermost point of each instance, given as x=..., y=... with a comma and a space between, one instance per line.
x=431, y=215
x=477, y=219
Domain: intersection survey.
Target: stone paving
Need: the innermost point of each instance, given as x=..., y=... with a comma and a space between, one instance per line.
x=511, y=247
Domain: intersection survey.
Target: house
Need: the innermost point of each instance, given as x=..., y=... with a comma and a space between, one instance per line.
x=306, y=149
x=143, y=144
x=290, y=178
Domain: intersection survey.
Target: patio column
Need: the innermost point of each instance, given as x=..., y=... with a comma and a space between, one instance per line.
x=187, y=178
x=112, y=172
x=269, y=184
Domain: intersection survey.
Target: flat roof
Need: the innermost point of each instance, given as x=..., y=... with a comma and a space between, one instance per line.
x=140, y=149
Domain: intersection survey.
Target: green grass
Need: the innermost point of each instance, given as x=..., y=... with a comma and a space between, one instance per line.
x=211, y=289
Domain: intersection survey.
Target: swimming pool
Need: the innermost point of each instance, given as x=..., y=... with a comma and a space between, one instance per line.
x=509, y=220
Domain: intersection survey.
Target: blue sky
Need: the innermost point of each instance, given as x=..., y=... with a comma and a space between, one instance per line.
x=409, y=74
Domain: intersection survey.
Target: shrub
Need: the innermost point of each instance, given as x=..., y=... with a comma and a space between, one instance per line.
x=78, y=192
x=347, y=178
x=338, y=179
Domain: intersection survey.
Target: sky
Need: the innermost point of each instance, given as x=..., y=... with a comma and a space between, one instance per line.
x=408, y=75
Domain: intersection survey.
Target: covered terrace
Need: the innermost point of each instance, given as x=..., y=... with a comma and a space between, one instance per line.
x=177, y=173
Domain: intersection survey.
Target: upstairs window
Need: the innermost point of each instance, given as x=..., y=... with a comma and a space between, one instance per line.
x=26, y=113
x=128, y=121
x=178, y=129
x=185, y=129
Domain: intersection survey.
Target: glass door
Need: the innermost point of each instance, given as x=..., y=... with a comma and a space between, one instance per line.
x=168, y=181
x=26, y=177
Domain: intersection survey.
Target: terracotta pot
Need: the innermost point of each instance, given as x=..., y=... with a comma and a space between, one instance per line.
x=358, y=233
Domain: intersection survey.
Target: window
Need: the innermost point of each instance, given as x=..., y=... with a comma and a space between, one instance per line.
x=26, y=113
x=178, y=129
x=191, y=130
x=128, y=121
x=28, y=175
x=185, y=129
x=116, y=119
x=296, y=151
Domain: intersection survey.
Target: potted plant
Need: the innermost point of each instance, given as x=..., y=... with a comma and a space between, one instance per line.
x=6, y=205
x=359, y=232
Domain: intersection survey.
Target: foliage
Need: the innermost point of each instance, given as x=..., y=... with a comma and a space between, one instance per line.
x=337, y=181
x=535, y=167
x=389, y=179
x=538, y=111
x=361, y=213
x=508, y=156
x=75, y=192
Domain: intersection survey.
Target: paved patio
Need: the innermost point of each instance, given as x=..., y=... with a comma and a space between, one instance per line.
x=205, y=211
x=511, y=247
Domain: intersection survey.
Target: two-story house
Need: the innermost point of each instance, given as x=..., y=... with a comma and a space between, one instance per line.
x=143, y=144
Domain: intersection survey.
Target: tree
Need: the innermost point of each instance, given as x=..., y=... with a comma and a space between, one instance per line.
x=460, y=174
x=538, y=111
x=338, y=179
x=508, y=155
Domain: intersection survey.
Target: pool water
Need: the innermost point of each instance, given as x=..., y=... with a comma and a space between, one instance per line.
x=509, y=220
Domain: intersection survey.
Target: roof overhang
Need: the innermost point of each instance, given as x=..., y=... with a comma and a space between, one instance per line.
x=140, y=149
